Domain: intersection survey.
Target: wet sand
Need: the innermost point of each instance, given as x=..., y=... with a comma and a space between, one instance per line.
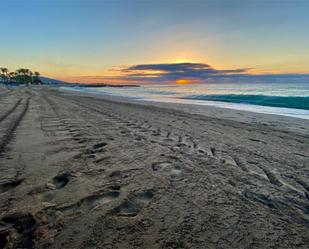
x=88, y=172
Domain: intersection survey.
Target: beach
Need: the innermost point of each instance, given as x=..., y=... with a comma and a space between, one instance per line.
x=86, y=171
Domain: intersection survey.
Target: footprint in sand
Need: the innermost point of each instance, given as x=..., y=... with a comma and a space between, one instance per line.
x=96, y=200
x=18, y=229
x=134, y=204
x=61, y=181
x=4, y=187
x=167, y=169
x=160, y=166
x=91, y=202
x=99, y=145
x=176, y=175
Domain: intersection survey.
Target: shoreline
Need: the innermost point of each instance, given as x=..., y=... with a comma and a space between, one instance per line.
x=144, y=95
x=287, y=123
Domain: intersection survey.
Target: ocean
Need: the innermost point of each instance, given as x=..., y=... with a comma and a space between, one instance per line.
x=269, y=98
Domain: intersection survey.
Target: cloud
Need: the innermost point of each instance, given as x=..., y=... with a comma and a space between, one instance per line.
x=190, y=72
x=167, y=72
x=171, y=67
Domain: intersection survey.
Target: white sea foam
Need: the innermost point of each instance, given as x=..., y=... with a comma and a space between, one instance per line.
x=180, y=94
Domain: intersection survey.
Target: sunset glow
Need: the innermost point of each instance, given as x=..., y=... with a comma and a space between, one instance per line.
x=86, y=42
x=183, y=82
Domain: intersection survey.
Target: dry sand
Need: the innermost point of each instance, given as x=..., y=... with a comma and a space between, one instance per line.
x=87, y=172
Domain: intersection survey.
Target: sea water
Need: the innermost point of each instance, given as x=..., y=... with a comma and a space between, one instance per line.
x=270, y=98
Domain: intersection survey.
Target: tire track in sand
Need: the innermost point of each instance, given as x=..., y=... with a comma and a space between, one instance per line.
x=4, y=116
x=6, y=139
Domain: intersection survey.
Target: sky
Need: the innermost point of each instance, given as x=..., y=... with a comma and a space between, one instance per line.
x=160, y=41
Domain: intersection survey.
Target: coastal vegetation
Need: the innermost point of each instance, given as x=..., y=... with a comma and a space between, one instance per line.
x=20, y=76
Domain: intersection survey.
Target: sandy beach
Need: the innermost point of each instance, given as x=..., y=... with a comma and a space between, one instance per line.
x=81, y=171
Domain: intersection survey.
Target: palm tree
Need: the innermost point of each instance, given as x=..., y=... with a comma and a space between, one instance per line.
x=31, y=76
x=12, y=75
x=21, y=75
x=36, y=78
x=4, y=73
x=24, y=75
